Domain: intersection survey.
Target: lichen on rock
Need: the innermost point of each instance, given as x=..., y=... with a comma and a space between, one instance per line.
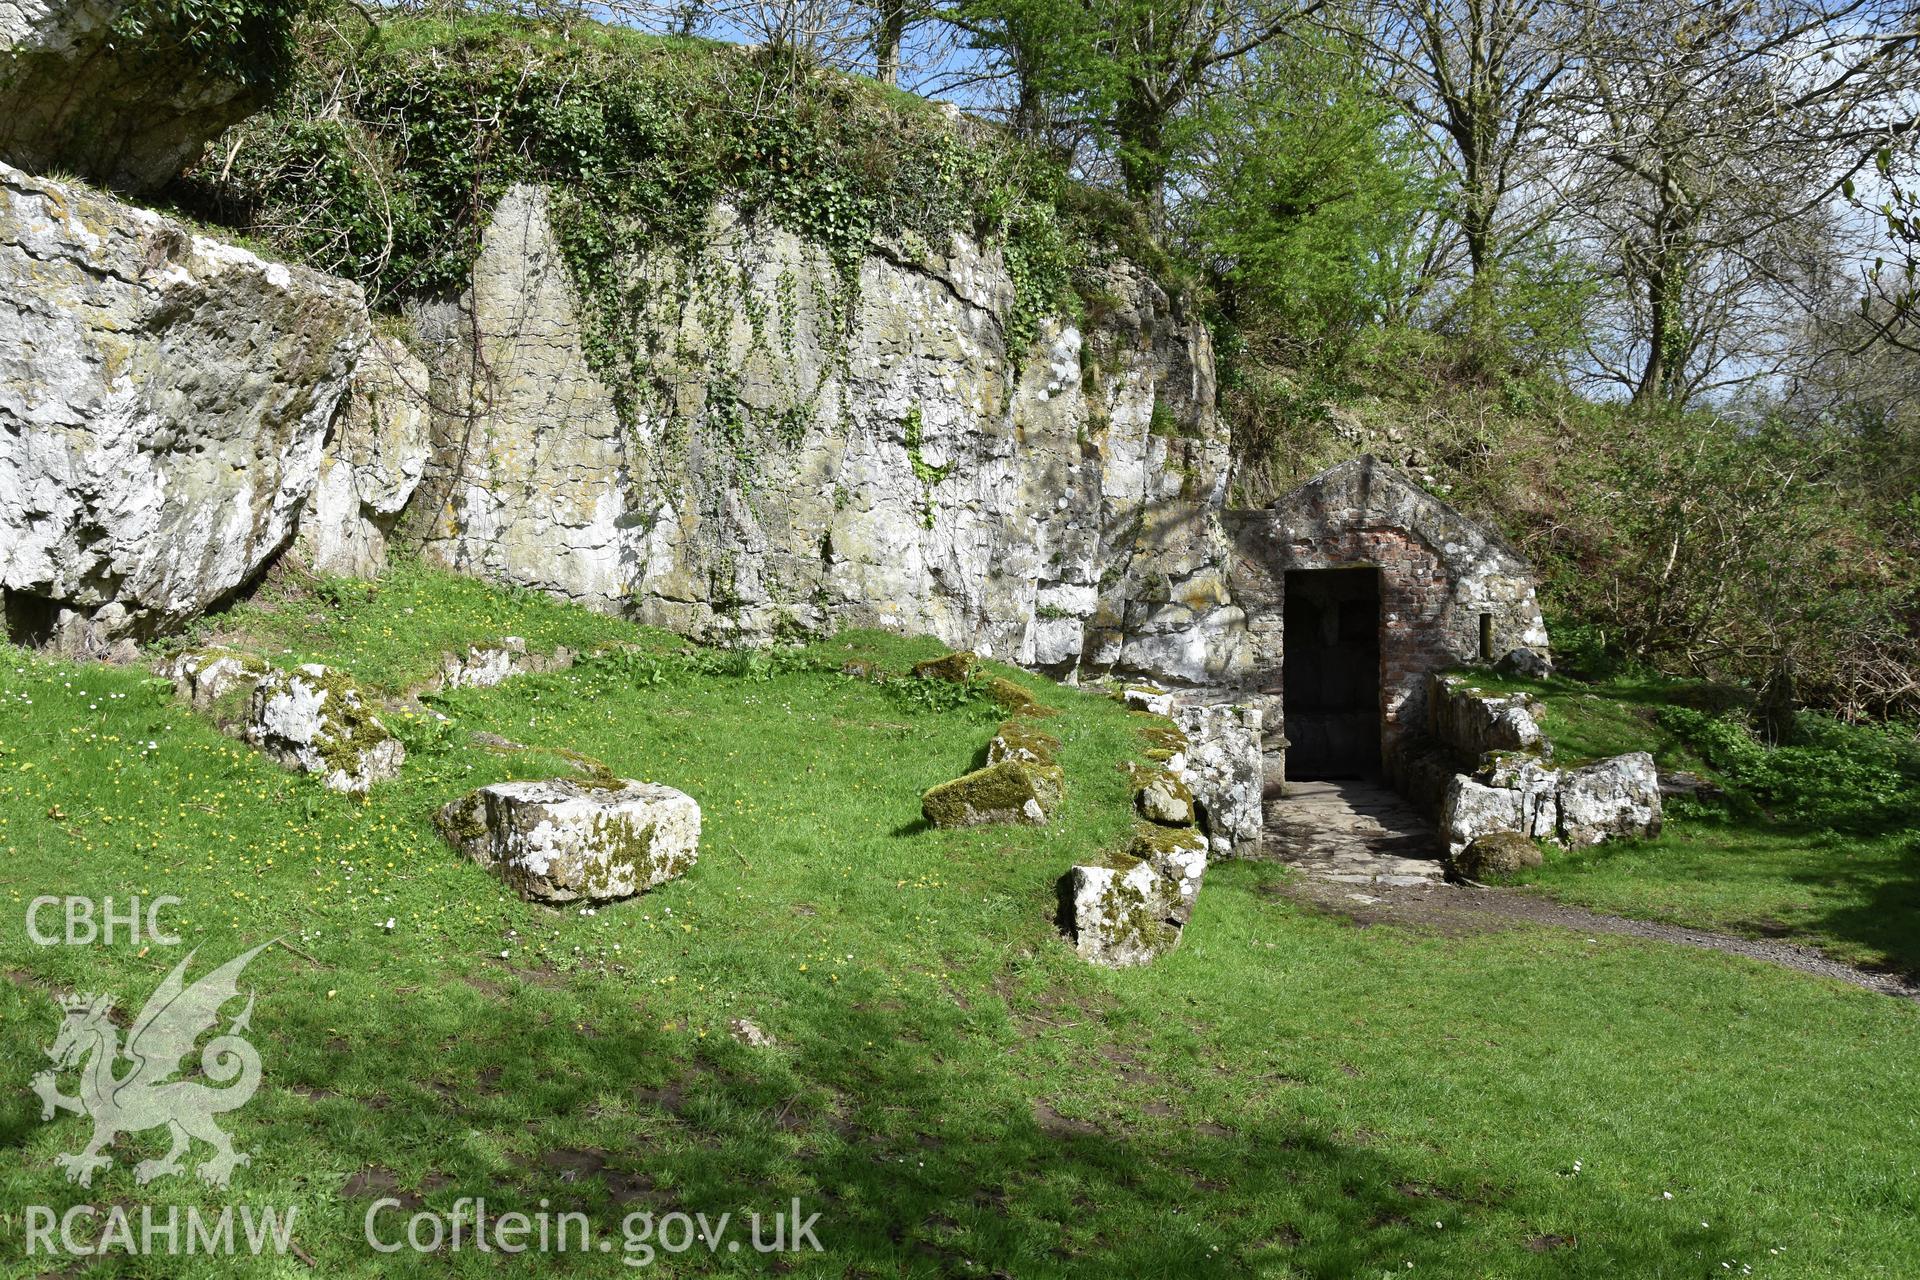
x=205, y=675
x=320, y=722
x=1135, y=908
x=1118, y=918
x=1514, y=791
x=164, y=400
x=370, y=467
x=563, y=839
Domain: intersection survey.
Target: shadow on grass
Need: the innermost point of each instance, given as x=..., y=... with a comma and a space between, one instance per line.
x=915, y=1166
x=1882, y=900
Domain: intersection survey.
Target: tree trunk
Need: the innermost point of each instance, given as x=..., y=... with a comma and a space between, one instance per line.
x=1140, y=127
x=888, y=35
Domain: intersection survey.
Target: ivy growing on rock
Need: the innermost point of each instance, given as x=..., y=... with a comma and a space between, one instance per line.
x=397, y=142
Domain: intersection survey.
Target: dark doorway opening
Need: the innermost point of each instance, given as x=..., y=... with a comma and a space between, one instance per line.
x=30, y=619
x=1331, y=681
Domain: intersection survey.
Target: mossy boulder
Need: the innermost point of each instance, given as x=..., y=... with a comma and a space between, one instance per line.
x=957, y=667
x=1160, y=797
x=1010, y=791
x=1498, y=855
x=566, y=839
x=320, y=722
x=205, y=675
x=1179, y=856
x=1019, y=740
x=1009, y=695
x=1133, y=908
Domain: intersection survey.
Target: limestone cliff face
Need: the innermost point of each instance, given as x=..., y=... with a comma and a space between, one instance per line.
x=805, y=450
x=164, y=403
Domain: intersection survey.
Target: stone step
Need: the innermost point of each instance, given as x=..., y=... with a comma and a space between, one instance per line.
x=1352, y=833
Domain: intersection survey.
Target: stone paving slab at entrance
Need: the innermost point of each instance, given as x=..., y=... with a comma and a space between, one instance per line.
x=1352, y=832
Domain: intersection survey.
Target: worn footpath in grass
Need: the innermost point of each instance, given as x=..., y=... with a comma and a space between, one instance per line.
x=949, y=1088
x=1819, y=843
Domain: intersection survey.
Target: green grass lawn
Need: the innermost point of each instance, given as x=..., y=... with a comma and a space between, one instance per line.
x=950, y=1088
x=1842, y=872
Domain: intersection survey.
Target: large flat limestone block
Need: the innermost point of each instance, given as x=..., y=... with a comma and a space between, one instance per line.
x=562, y=840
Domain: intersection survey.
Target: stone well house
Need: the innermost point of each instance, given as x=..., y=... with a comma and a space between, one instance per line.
x=1355, y=586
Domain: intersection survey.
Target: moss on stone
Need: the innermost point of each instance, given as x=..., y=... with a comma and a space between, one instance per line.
x=1163, y=798
x=1008, y=694
x=349, y=728
x=1009, y=791
x=463, y=823
x=1164, y=735
x=1016, y=740
x=1498, y=855
x=957, y=667
x=1151, y=840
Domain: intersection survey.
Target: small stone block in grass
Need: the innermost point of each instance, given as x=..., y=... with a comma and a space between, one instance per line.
x=318, y=721
x=957, y=667
x=1011, y=791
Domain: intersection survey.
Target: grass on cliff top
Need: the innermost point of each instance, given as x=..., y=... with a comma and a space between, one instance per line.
x=950, y=1089
x=1818, y=842
x=392, y=633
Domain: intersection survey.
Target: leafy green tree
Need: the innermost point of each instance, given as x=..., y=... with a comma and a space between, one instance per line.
x=1298, y=196
x=1477, y=79
x=1132, y=72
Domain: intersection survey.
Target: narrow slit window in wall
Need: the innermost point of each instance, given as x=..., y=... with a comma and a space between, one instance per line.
x=1486, y=637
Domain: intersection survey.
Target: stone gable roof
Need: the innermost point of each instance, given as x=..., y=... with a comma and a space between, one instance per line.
x=1366, y=493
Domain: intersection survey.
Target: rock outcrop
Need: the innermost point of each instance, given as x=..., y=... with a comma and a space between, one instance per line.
x=811, y=451
x=564, y=840
x=370, y=466
x=164, y=400
x=320, y=722
x=108, y=90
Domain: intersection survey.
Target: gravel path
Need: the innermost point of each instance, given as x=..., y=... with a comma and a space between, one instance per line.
x=1459, y=909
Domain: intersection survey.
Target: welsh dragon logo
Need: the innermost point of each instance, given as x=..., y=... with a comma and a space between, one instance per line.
x=143, y=1096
